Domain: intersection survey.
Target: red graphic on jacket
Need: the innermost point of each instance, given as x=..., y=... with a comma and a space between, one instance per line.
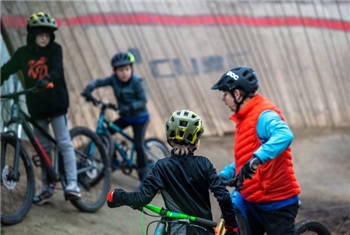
x=38, y=69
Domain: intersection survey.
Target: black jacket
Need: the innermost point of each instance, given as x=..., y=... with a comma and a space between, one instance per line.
x=37, y=63
x=131, y=93
x=184, y=182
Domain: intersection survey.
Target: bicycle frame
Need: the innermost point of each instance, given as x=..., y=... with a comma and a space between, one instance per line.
x=102, y=125
x=181, y=217
x=23, y=121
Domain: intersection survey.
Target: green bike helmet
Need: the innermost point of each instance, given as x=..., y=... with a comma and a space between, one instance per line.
x=42, y=19
x=184, y=126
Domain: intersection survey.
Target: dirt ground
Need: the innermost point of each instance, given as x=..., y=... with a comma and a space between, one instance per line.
x=321, y=160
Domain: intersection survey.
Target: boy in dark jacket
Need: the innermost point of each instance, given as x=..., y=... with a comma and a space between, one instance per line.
x=184, y=179
x=131, y=97
x=41, y=62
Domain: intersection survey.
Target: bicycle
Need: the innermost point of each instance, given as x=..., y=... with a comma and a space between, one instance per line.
x=123, y=144
x=167, y=216
x=17, y=174
x=307, y=226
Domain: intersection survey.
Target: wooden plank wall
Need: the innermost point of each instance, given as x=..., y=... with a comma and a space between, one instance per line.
x=299, y=49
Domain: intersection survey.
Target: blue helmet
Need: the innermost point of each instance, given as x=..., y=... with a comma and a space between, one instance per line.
x=243, y=78
x=122, y=58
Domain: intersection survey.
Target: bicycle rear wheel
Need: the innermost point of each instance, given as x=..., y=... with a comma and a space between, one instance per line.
x=93, y=169
x=16, y=194
x=311, y=227
x=155, y=150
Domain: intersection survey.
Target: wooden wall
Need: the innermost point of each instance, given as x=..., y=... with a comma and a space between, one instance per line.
x=299, y=49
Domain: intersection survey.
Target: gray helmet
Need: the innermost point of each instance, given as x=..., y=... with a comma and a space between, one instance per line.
x=184, y=126
x=122, y=58
x=42, y=19
x=243, y=78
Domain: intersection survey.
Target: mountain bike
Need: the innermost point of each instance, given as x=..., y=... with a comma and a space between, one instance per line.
x=121, y=149
x=17, y=174
x=303, y=227
x=167, y=216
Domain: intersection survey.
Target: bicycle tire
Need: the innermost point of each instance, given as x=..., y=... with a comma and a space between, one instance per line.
x=93, y=169
x=16, y=197
x=155, y=150
x=314, y=226
x=108, y=143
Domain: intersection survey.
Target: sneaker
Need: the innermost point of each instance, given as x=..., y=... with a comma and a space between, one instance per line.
x=72, y=191
x=43, y=195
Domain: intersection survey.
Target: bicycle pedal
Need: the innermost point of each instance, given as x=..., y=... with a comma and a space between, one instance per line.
x=36, y=160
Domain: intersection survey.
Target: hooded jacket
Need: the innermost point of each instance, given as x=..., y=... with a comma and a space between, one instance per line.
x=37, y=63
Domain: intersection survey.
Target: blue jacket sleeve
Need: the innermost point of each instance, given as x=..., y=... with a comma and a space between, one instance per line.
x=229, y=171
x=275, y=135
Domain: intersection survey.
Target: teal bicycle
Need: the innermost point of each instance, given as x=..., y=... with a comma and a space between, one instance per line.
x=121, y=147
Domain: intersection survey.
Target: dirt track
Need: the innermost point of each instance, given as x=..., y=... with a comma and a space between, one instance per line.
x=321, y=160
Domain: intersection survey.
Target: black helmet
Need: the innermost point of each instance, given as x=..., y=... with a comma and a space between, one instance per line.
x=243, y=78
x=122, y=58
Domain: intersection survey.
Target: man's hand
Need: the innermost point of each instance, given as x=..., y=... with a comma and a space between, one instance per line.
x=249, y=168
x=114, y=198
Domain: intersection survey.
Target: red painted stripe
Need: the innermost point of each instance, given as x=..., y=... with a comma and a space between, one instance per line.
x=152, y=19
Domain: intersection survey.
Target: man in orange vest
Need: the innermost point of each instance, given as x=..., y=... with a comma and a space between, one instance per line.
x=262, y=154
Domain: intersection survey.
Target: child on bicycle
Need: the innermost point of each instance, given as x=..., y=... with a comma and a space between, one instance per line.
x=131, y=97
x=41, y=63
x=184, y=179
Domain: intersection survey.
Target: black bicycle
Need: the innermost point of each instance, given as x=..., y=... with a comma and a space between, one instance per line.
x=17, y=176
x=121, y=148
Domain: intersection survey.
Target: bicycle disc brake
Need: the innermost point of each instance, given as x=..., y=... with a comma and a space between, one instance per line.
x=9, y=182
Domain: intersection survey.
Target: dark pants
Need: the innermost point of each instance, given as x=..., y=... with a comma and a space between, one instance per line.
x=139, y=129
x=275, y=222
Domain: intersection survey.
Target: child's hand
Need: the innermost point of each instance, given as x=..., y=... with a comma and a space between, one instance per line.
x=43, y=83
x=114, y=198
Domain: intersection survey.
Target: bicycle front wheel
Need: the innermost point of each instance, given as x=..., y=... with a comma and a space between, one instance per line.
x=16, y=192
x=311, y=227
x=155, y=150
x=93, y=169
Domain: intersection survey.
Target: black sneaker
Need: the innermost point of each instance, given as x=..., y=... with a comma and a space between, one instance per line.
x=43, y=195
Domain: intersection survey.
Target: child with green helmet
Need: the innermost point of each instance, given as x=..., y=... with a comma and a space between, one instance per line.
x=184, y=179
x=41, y=63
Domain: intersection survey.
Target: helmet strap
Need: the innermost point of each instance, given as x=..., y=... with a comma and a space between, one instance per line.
x=238, y=104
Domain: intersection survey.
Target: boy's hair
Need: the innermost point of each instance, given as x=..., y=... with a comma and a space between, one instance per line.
x=183, y=149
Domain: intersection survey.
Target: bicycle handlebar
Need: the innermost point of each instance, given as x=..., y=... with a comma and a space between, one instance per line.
x=17, y=94
x=103, y=105
x=175, y=215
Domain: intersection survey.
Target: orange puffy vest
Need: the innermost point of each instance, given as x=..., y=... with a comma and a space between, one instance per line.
x=274, y=180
